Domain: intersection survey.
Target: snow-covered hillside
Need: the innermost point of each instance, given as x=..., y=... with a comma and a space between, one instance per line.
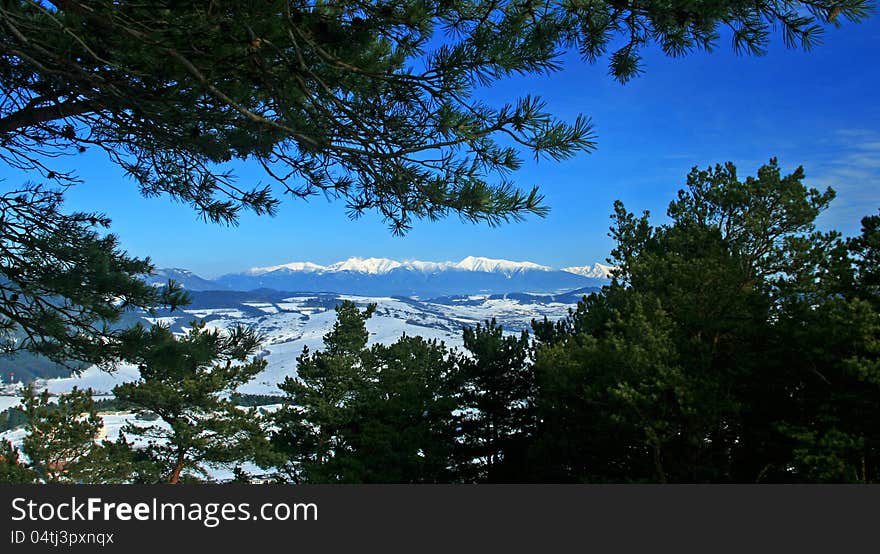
x=290, y=322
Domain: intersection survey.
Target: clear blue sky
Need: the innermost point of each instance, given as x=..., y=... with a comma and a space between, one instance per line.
x=817, y=109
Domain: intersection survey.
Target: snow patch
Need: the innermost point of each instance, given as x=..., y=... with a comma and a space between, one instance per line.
x=596, y=271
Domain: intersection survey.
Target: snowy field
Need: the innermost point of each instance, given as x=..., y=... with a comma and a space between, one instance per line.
x=8, y=402
x=290, y=323
x=293, y=322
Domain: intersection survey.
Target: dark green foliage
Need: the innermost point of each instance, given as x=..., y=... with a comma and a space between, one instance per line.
x=112, y=405
x=837, y=328
x=354, y=414
x=319, y=400
x=497, y=400
x=250, y=400
x=62, y=444
x=61, y=435
x=187, y=381
x=865, y=250
x=12, y=469
x=12, y=418
x=736, y=343
x=311, y=427
x=354, y=99
x=62, y=285
x=404, y=426
x=120, y=463
x=608, y=394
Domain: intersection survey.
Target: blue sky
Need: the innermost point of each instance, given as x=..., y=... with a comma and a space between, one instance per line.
x=817, y=109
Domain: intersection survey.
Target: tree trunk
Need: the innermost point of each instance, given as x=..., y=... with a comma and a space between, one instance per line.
x=178, y=467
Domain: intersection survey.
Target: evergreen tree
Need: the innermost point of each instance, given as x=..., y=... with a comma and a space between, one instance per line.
x=350, y=98
x=64, y=285
x=497, y=398
x=187, y=381
x=405, y=428
x=369, y=415
x=120, y=462
x=13, y=470
x=11, y=418
x=62, y=445
x=319, y=402
x=61, y=435
x=865, y=251
x=735, y=343
x=609, y=394
x=836, y=325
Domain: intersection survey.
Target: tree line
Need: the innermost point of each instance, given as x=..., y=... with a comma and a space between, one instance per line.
x=736, y=343
x=373, y=103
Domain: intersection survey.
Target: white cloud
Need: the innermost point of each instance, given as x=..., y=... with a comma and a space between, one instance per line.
x=850, y=164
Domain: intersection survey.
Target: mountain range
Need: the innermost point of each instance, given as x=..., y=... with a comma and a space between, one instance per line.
x=413, y=278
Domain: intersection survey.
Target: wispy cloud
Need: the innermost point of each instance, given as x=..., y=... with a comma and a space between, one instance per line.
x=849, y=162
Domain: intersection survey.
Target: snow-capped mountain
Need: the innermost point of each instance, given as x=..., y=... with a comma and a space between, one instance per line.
x=596, y=271
x=381, y=266
x=382, y=276
x=305, y=267
x=506, y=267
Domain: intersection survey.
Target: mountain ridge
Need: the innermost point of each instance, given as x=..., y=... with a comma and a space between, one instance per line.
x=385, y=276
x=375, y=266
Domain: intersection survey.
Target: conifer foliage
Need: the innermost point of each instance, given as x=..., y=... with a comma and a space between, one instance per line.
x=357, y=414
x=736, y=343
x=64, y=285
x=497, y=400
x=187, y=381
x=357, y=99
x=373, y=103
x=13, y=470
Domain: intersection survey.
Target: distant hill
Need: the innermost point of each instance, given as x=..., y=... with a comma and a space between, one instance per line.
x=187, y=279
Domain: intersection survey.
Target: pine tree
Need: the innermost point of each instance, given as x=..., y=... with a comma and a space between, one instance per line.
x=735, y=343
x=350, y=98
x=370, y=415
x=319, y=402
x=13, y=470
x=835, y=321
x=406, y=427
x=61, y=435
x=497, y=399
x=187, y=381
x=64, y=285
x=865, y=251
x=62, y=445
